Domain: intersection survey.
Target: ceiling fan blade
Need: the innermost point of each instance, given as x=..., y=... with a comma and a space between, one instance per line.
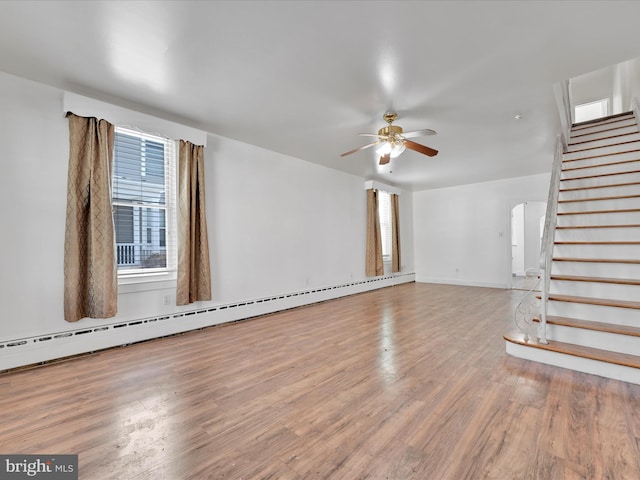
x=373, y=135
x=419, y=133
x=420, y=148
x=384, y=159
x=358, y=149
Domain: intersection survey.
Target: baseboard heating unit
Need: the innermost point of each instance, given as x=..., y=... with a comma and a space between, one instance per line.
x=40, y=349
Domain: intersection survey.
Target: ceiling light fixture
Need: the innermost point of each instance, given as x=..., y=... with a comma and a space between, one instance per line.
x=517, y=116
x=391, y=138
x=393, y=147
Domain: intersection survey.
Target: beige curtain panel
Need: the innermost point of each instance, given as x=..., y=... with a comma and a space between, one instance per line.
x=374, y=265
x=395, y=233
x=90, y=271
x=194, y=275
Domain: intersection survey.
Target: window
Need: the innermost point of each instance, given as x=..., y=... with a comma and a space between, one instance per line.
x=143, y=202
x=384, y=212
x=591, y=110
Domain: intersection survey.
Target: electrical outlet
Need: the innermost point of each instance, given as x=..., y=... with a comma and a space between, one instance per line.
x=167, y=299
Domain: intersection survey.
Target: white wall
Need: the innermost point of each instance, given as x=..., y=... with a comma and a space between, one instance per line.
x=594, y=86
x=619, y=83
x=276, y=225
x=461, y=234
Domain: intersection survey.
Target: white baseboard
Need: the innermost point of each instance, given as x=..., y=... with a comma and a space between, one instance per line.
x=464, y=283
x=46, y=347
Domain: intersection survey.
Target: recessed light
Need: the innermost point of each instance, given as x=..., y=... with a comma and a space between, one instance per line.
x=517, y=116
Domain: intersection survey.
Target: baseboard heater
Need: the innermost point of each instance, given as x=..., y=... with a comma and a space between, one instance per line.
x=42, y=349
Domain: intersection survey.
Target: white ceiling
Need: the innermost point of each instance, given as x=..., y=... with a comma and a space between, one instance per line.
x=304, y=78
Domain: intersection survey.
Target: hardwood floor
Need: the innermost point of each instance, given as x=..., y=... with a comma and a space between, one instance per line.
x=406, y=382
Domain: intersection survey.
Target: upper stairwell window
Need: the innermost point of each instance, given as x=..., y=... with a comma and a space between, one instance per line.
x=591, y=110
x=143, y=203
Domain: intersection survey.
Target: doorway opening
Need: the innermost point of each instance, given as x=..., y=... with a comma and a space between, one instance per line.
x=527, y=227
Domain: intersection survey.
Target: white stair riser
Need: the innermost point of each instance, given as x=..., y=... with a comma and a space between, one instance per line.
x=599, y=192
x=598, y=234
x=600, y=181
x=600, y=126
x=584, y=137
x=592, y=269
x=602, y=151
x=600, y=205
x=610, y=291
x=600, y=170
x=613, y=139
x=596, y=313
x=579, y=364
x=617, y=218
x=598, y=160
x=597, y=251
x=591, y=338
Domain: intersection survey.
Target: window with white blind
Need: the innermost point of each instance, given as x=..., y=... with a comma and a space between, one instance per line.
x=143, y=200
x=384, y=212
x=591, y=110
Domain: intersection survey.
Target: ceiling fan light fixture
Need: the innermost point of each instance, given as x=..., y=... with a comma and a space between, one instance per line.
x=393, y=149
x=392, y=141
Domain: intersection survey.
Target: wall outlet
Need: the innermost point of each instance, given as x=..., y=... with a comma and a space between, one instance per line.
x=166, y=299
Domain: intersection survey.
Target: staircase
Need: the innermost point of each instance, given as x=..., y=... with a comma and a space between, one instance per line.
x=593, y=308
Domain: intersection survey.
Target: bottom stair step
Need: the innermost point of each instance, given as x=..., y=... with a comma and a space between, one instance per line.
x=578, y=351
x=589, y=325
x=618, y=366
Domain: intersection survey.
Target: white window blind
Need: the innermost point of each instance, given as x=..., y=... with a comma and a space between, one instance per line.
x=384, y=212
x=144, y=185
x=591, y=110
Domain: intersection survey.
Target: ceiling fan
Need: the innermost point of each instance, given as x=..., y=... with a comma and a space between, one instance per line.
x=392, y=141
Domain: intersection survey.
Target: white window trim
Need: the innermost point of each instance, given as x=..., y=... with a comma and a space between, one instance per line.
x=145, y=275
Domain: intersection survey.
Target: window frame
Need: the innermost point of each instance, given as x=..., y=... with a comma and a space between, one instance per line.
x=604, y=107
x=384, y=217
x=142, y=274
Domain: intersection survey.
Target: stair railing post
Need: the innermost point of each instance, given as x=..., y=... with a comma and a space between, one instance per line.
x=548, y=238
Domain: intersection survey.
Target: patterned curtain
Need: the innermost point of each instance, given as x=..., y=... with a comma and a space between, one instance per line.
x=194, y=276
x=374, y=265
x=395, y=233
x=90, y=271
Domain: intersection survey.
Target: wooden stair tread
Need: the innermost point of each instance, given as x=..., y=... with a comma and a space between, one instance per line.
x=598, y=156
x=601, y=138
x=604, y=130
x=602, y=146
x=592, y=212
x=616, y=358
x=597, y=199
x=603, y=302
x=597, y=260
x=601, y=175
x=597, y=242
x=568, y=227
x=608, y=164
x=597, y=326
x=627, y=184
x=578, y=278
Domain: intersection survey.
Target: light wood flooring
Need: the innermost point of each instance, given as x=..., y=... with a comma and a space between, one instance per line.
x=406, y=382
